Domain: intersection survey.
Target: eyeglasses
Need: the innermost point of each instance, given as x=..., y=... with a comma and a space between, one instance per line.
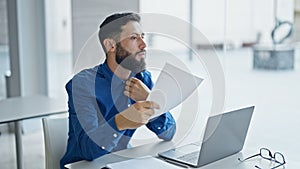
x=266, y=154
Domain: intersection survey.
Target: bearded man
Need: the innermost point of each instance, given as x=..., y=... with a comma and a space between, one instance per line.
x=107, y=103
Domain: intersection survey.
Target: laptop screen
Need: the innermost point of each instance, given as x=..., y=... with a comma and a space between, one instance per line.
x=224, y=135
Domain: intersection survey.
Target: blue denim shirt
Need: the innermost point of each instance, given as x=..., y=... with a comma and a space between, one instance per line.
x=95, y=97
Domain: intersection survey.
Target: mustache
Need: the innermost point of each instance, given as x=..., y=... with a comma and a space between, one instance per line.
x=142, y=51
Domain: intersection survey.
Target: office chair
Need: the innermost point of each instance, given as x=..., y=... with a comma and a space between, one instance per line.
x=55, y=136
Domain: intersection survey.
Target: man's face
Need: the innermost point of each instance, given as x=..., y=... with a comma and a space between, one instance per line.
x=130, y=50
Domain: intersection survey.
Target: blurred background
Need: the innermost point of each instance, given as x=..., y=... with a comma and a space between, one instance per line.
x=257, y=43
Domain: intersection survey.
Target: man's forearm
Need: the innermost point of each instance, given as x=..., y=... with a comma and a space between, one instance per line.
x=123, y=123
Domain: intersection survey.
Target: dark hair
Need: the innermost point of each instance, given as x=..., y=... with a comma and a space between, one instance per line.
x=111, y=26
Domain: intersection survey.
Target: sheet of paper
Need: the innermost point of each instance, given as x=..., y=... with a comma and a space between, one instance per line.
x=146, y=162
x=172, y=87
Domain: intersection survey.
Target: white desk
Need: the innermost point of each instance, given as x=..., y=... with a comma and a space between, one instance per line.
x=21, y=108
x=152, y=149
x=273, y=131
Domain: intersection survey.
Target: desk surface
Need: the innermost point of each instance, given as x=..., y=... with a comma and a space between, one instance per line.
x=152, y=149
x=276, y=132
x=21, y=108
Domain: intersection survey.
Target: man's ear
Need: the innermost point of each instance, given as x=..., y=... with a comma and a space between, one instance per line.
x=110, y=45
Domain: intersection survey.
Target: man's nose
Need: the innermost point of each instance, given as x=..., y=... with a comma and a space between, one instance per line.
x=142, y=44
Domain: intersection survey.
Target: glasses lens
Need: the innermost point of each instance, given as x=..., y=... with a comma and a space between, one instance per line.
x=265, y=153
x=279, y=158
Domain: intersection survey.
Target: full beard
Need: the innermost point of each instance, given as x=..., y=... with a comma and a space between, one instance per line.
x=129, y=61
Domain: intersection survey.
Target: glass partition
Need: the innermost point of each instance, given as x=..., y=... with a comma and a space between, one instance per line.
x=59, y=46
x=4, y=49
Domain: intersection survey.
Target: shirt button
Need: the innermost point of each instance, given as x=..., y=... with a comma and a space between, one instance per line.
x=129, y=105
x=115, y=135
x=158, y=128
x=103, y=147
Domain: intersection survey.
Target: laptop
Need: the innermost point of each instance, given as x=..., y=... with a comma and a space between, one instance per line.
x=224, y=135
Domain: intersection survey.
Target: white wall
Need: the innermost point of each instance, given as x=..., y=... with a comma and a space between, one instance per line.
x=58, y=22
x=209, y=19
x=244, y=18
x=177, y=8
x=59, y=45
x=32, y=46
x=86, y=18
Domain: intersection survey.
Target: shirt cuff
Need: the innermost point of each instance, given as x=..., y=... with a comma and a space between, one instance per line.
x=109, y=136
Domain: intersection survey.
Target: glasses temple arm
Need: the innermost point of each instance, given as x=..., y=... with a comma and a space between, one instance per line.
x=242, y=160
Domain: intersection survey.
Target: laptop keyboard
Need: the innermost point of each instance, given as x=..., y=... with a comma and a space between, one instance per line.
x=191, y=157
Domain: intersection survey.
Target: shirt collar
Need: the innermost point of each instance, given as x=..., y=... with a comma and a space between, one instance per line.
x=111, y=76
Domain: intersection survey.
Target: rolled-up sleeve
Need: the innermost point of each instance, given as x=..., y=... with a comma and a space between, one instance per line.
x=163, y=126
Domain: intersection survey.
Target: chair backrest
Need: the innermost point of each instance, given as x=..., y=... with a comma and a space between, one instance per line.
x=55, y=138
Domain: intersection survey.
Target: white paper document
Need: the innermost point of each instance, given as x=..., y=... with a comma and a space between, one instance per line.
x=146, y=162
x=172, y=87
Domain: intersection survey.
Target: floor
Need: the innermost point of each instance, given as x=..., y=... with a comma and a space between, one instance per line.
x=276, y=91
x=33, y=150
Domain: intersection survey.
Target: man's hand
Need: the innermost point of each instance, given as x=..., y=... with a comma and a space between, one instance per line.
x=136, y=115
x=136, y=89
